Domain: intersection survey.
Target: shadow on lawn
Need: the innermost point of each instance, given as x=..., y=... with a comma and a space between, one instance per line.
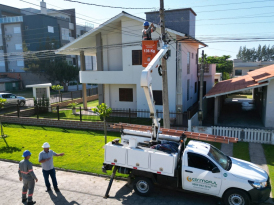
x=9, y=149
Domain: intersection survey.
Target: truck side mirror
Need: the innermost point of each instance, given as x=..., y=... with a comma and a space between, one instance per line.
x=215, y=170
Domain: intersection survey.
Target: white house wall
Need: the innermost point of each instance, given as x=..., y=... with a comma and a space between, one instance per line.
x=112, y=57
x=135, y=34
x=192, y=76
x=111, y=96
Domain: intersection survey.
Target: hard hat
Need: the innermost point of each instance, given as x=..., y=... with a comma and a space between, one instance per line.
x=146, y=23
x=26, y=153
x=46, y=145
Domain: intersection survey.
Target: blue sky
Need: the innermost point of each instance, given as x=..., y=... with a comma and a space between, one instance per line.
x=214, y=20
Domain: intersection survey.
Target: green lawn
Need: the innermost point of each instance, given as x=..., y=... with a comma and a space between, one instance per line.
x=269, y=155
x=248, y=96
x=93, y=103
x=241, y=151
x=83, y=149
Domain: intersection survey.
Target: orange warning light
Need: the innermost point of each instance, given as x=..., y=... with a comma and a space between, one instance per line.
x=149, y=50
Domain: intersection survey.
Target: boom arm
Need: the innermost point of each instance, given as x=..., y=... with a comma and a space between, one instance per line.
x=146, y=84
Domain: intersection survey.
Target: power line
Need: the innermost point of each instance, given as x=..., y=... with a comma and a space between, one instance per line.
x=113, y=7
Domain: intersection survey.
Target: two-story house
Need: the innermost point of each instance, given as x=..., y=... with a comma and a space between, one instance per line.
x=117, y=47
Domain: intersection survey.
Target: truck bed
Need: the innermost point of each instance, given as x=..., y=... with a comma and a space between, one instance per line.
x=141, y=158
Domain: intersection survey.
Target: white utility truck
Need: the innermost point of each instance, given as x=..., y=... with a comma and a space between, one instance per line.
x=144, y=154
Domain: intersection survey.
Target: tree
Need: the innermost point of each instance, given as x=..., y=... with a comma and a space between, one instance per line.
x=57, y=88
x=103, y=111
x=62, y=72
x=223, y=65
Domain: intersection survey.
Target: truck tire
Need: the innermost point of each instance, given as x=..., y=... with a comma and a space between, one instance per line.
x=236, y=197
x=143, y=186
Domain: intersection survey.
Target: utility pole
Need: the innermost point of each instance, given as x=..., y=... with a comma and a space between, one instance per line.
x=201, y=91
x=166, y=119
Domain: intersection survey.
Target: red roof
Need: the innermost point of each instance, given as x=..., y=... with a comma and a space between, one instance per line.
x=253, y=79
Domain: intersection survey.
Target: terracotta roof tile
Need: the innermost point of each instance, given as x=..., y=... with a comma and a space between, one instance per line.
x=252, y=79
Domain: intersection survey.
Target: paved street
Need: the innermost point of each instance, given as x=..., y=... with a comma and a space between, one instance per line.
x=85, y=189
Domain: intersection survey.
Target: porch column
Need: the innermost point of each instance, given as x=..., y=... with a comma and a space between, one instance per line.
x=216, y=110
x=99, y=56
x=84, y=88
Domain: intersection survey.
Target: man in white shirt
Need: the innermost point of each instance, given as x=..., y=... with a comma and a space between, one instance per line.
x=46, y=159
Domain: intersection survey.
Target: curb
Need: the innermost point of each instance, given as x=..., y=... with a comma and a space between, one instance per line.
x=69, y=170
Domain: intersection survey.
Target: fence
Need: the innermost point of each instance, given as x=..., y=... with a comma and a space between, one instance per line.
x=72, y=95
x=246, y=134
x=78, y=113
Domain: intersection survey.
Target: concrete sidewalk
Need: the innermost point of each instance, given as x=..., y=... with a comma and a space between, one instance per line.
x=88, y=190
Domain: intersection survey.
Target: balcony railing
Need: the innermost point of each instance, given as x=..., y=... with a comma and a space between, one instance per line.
x=206, y=68
x=12, y=19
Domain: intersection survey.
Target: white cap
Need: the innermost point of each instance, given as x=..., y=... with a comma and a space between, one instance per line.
x=46, y=145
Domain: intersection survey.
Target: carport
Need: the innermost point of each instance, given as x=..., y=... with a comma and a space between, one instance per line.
x=238, y=112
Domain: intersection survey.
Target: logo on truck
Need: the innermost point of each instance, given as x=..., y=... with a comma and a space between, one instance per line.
x=202, y=181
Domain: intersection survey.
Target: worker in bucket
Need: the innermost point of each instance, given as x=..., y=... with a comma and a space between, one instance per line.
x=27, y=175
x=147, y=31
x=46, y=159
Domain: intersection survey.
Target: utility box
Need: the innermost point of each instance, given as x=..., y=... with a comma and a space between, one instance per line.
x=149, y=51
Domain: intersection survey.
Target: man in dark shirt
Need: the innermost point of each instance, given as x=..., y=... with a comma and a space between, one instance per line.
x=147, y=31
x=27, y=175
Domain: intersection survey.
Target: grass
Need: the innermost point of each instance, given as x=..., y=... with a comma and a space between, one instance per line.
x=93, y=103
x=241, y=151
x=83, y=149
x=248, y=96
x=269, y=155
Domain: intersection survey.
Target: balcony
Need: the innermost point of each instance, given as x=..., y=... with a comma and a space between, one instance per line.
x=13, y=19
x=209, y=69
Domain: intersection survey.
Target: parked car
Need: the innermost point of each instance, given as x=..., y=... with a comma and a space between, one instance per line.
x=13, y=99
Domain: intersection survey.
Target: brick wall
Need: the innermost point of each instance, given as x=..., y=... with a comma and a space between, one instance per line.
x=79, y=100
x=56, y=123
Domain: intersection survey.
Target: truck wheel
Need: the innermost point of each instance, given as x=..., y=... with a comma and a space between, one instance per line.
x=143, y=186
x=236, y=197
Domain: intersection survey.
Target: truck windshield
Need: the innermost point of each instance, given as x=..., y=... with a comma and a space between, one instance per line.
x=218, y=157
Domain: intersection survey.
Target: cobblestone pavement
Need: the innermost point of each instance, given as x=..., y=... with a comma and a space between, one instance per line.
x=86, y=189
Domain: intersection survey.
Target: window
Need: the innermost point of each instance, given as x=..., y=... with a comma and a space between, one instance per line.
x=20, y=63
x=18, y=46
x=2, y=63
x=251, y=70
x=26, y=28
x=188, y=62
x=157, y=96
x=126, y=94
x=65, y=34
x=1, y=48
x=187, y=94
x=17, y=30
x=199, y=162
x=0, y=31
x=50, y=29
x=27, y=44
x=238, y=72
x=195, y=87
x=136, y=57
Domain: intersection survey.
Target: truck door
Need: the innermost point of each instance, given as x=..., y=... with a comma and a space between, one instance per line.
x=198, y=176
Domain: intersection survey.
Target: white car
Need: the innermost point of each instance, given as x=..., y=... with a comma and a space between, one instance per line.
x=13, y=99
